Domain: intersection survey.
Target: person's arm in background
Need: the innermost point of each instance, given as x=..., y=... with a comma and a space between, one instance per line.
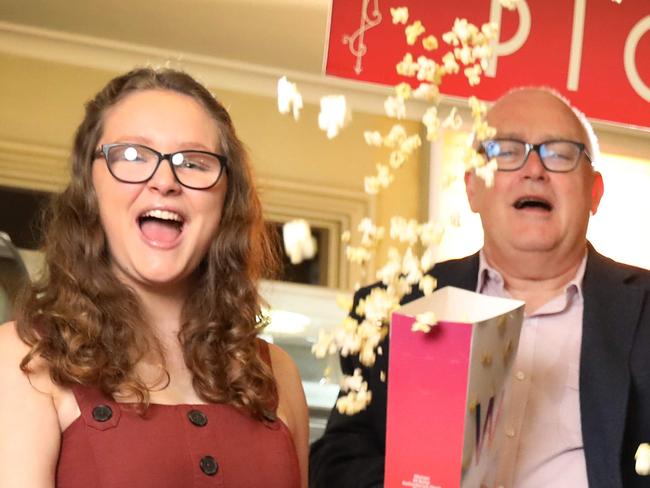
x=351, y=451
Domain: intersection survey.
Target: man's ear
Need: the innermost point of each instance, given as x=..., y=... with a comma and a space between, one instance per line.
x=597, y=190
x=470, y=189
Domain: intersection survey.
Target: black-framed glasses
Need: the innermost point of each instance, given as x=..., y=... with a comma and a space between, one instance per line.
x=559, y=156
x=135, y=163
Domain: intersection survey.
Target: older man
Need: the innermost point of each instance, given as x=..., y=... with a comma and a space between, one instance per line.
x=580, y=395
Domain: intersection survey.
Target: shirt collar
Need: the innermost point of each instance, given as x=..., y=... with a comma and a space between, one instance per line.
x=487, y=273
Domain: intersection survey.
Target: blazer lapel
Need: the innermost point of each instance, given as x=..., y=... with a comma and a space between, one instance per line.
x=611, y=315
x=461, y=273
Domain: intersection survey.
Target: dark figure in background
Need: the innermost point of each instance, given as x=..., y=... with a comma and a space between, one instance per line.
x=580, y=398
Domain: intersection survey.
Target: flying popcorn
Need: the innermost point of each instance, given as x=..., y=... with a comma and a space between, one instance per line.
x=483, y=131
x=289, y=99
x=413, y=31
x=479, y=109
x=404, y=230
x=449, y=63
x=453, y=120
x=407, y=66
x=334, y=114
x=410, y=144
x=427, y=285
x=430, y=43
x=400, y=15
x=396, y=136
x=432, y=123
x=426, y=91
x=424, y=322
x=642, y=457
x=473, y=74
x=299, y=244
x=344, y=302
x=464, y=54
x=324, y=345
x=403, y=91
x=394, y=107
x=354, y=401
x=373, y=138
x=371, y=185
x=486, y=172
x=428, y=70
x=370, y=233
x=353, y=382
x=397, y=159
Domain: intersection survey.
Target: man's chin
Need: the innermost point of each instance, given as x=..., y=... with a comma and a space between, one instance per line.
x=535, y=246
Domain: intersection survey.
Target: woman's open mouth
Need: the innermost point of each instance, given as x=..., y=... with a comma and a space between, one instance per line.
x=161, y=226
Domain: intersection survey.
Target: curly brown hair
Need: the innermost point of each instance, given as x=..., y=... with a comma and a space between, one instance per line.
x=90, y=327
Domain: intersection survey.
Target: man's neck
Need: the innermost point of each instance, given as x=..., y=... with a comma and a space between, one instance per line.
x=535, y=277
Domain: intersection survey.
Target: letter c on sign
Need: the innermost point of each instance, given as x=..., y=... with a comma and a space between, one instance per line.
x=640, y=28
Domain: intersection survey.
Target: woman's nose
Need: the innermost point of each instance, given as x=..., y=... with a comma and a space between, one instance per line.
x=164, y=180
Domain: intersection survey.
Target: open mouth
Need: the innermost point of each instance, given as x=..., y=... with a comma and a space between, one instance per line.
x=533, y=203
x=161, y=226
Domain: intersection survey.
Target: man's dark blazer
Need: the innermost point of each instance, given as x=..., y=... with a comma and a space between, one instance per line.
x=614, y=383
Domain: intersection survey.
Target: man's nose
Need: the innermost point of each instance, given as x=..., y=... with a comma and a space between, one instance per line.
x=163, y=179
x=533, y=167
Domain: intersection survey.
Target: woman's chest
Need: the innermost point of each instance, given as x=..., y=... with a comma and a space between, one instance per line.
x=175, y=446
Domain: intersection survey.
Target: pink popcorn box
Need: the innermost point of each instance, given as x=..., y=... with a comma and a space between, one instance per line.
x=447, y=389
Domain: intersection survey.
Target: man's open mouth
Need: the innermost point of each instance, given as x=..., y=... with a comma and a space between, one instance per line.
x=163, y=226
x=533, y=202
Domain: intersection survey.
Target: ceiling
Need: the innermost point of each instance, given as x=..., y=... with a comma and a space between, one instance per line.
x=283, y=34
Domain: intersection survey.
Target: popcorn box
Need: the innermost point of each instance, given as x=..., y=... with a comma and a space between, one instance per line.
x=447, y=387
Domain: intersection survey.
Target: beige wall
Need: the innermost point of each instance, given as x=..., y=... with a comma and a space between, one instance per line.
x=41, y=103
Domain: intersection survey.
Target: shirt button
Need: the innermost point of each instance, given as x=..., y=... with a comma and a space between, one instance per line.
x=101, y=413
x=209, y=465
x=197, y=417
x=520, y=375
x=510, y=432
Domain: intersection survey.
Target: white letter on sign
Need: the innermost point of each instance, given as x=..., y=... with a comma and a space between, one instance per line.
x=640, y=28
x=513, y=44
x=575, y=58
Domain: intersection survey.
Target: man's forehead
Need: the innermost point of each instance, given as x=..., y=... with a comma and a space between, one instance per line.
x=535, y=113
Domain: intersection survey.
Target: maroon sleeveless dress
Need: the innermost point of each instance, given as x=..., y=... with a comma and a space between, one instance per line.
x=174, y=446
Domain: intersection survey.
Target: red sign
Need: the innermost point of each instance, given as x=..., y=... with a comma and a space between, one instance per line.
x=595, y=52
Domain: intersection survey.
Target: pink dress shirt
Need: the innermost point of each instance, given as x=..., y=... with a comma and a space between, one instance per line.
x=541, y=424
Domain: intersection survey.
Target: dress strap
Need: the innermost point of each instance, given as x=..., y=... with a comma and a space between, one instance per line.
x=265, y=353
x=97, y=409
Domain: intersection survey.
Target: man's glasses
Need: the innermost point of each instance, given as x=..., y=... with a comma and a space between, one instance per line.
x=556, y=156
x=135, y=163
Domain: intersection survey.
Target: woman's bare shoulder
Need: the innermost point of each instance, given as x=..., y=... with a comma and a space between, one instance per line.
x=28, y=419
x=292, y=405
x=286, y=374
x=12, y=352
x=12, y=348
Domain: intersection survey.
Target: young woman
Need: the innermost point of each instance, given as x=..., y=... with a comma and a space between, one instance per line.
x=135, y=361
